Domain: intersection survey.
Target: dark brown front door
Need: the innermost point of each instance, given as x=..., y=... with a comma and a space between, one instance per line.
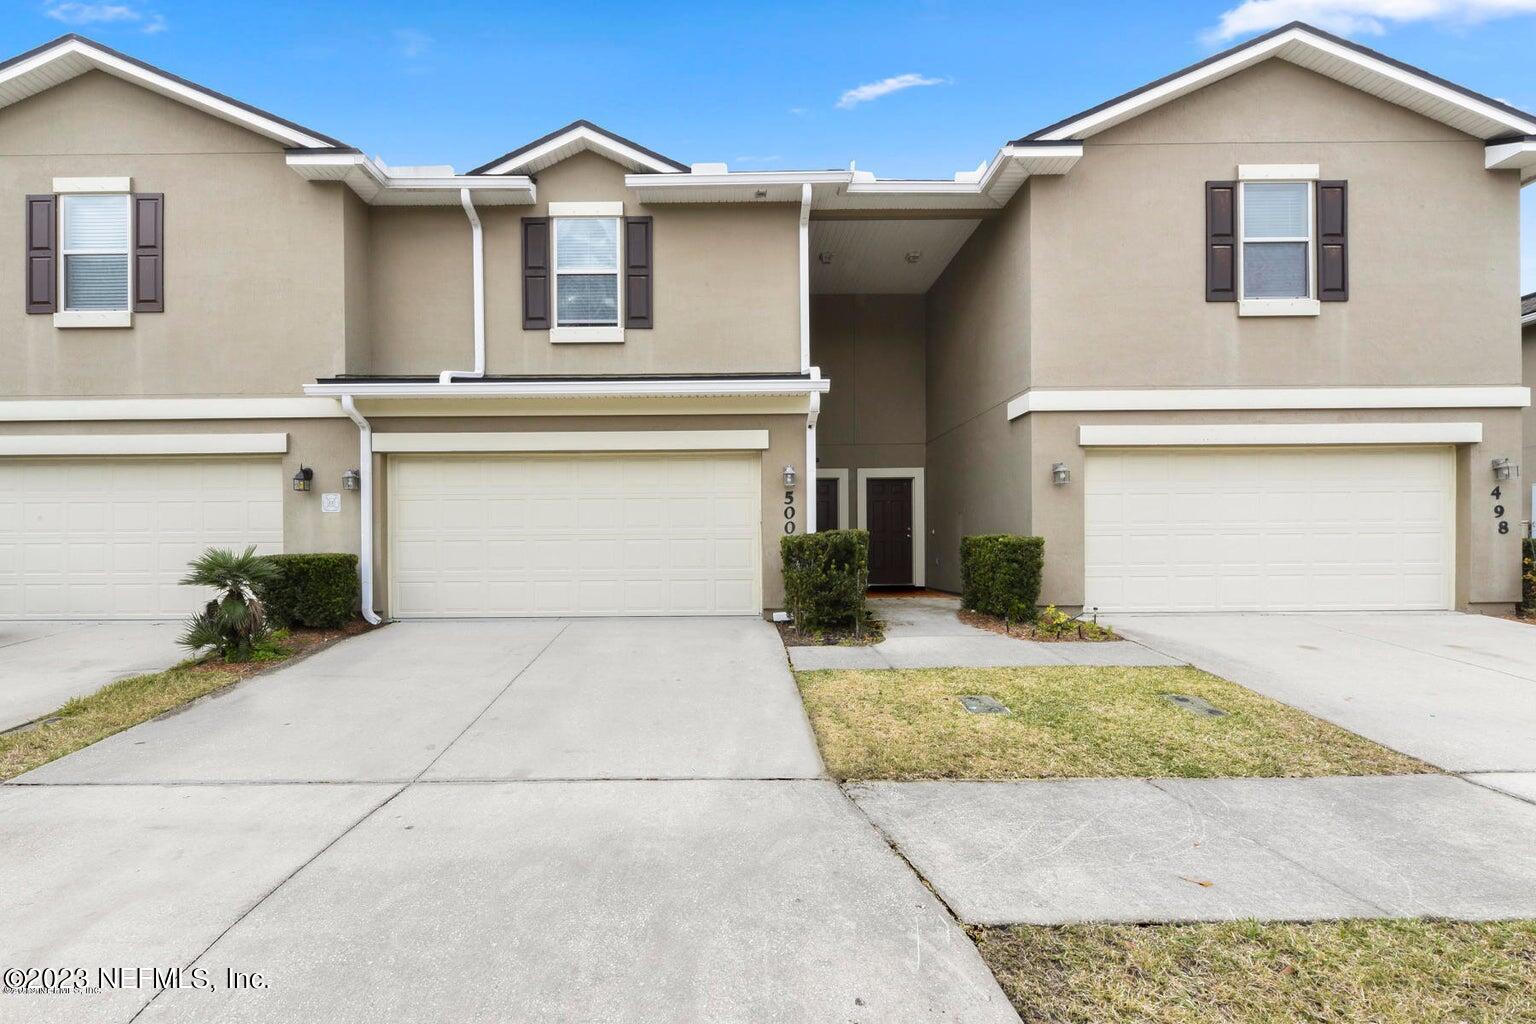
x=890, y=531
x=826, y=504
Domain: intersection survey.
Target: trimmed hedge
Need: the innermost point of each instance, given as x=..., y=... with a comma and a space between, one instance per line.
x=826, y=576
x=1528, y=573
x=317, y=590
x=1000, y=574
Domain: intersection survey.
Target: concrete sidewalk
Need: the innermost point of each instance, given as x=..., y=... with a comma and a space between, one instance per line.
x=925, y=632
x=1132, y=850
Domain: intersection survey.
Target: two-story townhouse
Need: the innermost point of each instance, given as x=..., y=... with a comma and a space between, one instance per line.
x=1238, y=339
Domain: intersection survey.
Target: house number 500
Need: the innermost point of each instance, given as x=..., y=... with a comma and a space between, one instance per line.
x=789, y=511
x=1498, y=510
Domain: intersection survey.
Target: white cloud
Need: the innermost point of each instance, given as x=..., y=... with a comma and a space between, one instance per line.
x=413, y=43
x=74, y=13
x=1358, y=17
x=874, y=90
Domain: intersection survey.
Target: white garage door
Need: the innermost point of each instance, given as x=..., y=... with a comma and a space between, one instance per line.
x=1273, y=529
x=110, y=538
x=575, y=535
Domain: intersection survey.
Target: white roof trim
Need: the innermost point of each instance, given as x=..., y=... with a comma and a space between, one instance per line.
x=575, y=140
x=1517, y=155
x=377, y=185
x=1192, y=399
x=1318, y=52
x=575, y=388
x=1276, y=434
x=73, y=56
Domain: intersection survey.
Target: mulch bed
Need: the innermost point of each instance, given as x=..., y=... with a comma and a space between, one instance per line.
x=300, y=642
x=873, y=633
x=1026, y=630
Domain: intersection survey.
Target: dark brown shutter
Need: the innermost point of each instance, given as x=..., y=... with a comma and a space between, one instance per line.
x=637, y=273
x=149, y=252
x=41, y=287
x=535, y=273
x=1332, y=243
x=1221, y=241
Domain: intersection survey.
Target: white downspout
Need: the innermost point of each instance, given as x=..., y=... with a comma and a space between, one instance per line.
x=805, y=277
x=811, y=416
x=365, y=490
x=477, y=249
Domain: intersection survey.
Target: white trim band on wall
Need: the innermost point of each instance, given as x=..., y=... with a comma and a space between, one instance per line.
x=56, y=410
x=1277, y=434
x=1192, y=399
x=144, y=444
x=576, y=441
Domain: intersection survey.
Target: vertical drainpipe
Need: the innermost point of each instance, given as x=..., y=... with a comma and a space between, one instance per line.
x=365, y=491
x=814, y=405
x=477, y=256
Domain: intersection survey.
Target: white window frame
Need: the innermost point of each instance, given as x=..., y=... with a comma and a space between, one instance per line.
x=1288, y=174
x=586, y=333
x=70, y=318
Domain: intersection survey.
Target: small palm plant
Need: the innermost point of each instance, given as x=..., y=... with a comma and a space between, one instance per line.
x=235, y=620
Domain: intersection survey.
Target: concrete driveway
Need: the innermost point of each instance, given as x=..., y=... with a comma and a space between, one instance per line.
x=44, y=664
x=619, y=820
x=1456, y=691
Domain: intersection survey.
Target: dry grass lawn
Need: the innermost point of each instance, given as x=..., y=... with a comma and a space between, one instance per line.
x=1071, y=722
x=1383, y=972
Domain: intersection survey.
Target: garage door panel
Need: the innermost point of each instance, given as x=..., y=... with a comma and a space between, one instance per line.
x=1292, y=529
x=580, y=535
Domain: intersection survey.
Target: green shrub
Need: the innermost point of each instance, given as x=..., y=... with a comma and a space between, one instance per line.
x=826, y=576
x=1000, y=574
x=319, y=591
x=1528, y=574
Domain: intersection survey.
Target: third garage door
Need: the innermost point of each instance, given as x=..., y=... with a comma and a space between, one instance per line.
x=504, y=535
x=1293, y=529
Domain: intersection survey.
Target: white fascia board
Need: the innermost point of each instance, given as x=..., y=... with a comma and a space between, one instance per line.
x=371, y=181
x=1276, y=434
x=1519, y=155
x=575, y=441
x=736, y=179
x=593, y=140
x=1226, y=399
x=574, y=389
x=112, y=64
x=62, y=410
x=142, y=444
x=1239, y=59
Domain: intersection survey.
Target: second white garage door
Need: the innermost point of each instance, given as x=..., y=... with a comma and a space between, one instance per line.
x=1295, y=529
x=505, y=535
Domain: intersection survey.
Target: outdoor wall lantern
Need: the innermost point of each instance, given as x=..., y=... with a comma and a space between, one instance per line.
x=1503, y=469
x=789, y=478
x=302, y=479
x=1060, y=474
x=351, y=480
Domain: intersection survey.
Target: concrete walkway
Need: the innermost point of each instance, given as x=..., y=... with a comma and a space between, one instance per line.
x=1131, y=850
x=925, y=632
x=1457, y=691
x=44, y=664
x=616, y=820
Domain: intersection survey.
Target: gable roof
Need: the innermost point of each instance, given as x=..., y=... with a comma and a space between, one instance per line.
x=574, y=138
x=70, y=56
x=1326, y=54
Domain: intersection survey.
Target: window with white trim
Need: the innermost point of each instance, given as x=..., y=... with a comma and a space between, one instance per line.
x=1277, y=243
x=586, y=260
x=95, y=250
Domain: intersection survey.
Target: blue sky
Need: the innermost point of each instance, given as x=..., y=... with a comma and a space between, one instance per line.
x=756, y=85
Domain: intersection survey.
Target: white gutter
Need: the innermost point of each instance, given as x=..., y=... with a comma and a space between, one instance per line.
x=365, y=489
x=477, y=259
x=810, y=455
x=805, y=277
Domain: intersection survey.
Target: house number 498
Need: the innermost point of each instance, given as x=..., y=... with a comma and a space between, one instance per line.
x=1498, y=510
x=789, y=511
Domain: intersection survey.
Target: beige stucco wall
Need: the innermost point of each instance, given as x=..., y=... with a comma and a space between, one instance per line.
x=1487, y=563
x=1118, y=288
x=786, y=446
x=253, y=265
x=725, y=294
x=328, y=446
x=871, y=347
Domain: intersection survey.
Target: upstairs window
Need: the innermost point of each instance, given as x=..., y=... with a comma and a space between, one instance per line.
x=95, y=246
x=1277, y=240
x=586, y=260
